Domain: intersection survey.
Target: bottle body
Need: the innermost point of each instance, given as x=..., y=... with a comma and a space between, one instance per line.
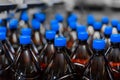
x=81, y=56
x=6, y=61
x=26, y=65
x=113, y=58
x=37, y=39
x=46, y=54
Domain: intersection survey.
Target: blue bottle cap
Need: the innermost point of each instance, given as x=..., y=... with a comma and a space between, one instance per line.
x=118, y=27
x=81, y=28
x=53, y=22
x=108, y=30
x=54, y=25
x=13, y=24
x=71, y=19
x=98, y=44
x=59, y=17
x=60, y=42
x=3, y=29
x=90, y=19
x=26, y=31
x=24, y=16
x=35, y=24
x=40, y=17
x=25, y=40
x=82, y=36
x=97, y=25
x=50, y=35
x=105, y=20
x=114, y=22
x=73, y=24
x=2, y=35
x=73, y=15
x=115, y=38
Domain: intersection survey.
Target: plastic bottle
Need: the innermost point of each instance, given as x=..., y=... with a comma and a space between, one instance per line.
x=6, y=58
x=28, y=32
x=60, y=19
x=72, y=17
x=24, y=19
x=60, y=66
x=105, y=22
x=79, y=28
x=97, y=35
x=13, y=34
x=113, y=56
x=72, y=34
x=10, y=47
x=48, y=50
x=41, y=17
x=90, y=23
x=97, y=28
x=118, y=28
x=37, y=37
x=114, y=24
x=55, y=27
x=107, y=34
x=26, y=65
x=81, y=54
x=98, y=67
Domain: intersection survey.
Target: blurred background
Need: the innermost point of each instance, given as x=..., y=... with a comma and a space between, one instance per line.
x=99, y=8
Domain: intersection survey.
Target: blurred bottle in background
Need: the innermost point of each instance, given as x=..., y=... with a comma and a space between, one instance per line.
x=72, y=34
x=60, y=19
x=118, y=28
x=90, y=22
x=41, y=17
x=107, y=34
x=97, y=34
x=105, y=22
x=13, y=33
x=55, y=27
x=114, y=24
x=24, y=19
x=37, y=37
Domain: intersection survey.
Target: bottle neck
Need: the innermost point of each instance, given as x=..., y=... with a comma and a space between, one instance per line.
x=13, y=30
x=90, y=25
x=82, y=42
x=73, y=30
x=59, y=49
x=115, y=45
x=107, y=36
x=114, y=26
x=99, y=52
x=50, y=41
x=36, y=30
x=27, y=46
x=104, y=24
x=97, y=30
